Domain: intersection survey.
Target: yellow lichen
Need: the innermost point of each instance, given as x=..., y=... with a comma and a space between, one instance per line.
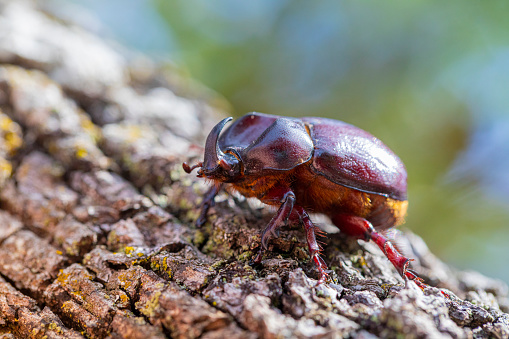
x=55, y=327
x=126, y=279
x=66, y=306
x=12, y=141
x=62, y=277
x=5, y=168
x=81, y=152
x=149, y=309
x=124, y=298
x=166, y=268
x=5, y=122
x=133, y=132
x=78, y=294
x=89, y=127
x=128, y=250
x=11, y=133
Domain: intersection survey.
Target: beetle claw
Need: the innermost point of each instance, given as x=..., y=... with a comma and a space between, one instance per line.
x=256, y=261
x=265, y=242
x=275, y=233
x=321, y=266
x=200, y=221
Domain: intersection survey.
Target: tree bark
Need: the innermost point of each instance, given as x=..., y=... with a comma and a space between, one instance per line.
x=97, y=235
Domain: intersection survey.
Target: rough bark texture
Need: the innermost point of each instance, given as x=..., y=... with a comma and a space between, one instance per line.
x=96, y=219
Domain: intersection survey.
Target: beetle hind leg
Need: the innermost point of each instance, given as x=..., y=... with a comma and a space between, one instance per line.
x=360, y=228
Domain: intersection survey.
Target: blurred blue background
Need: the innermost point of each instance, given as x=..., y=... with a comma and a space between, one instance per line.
x=428, y=78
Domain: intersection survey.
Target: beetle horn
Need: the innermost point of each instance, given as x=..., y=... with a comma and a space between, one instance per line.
x=212, y=151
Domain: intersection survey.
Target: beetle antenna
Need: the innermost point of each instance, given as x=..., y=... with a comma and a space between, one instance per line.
x=189, y=169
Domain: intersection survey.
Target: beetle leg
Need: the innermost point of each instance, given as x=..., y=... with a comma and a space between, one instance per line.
x=280, y=218
x=314, y=248
x=208, y=202
x=360, y=228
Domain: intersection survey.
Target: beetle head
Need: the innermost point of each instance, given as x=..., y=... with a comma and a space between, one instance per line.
x=218, y=165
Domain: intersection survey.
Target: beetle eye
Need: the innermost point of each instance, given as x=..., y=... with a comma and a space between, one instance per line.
x=224, y=165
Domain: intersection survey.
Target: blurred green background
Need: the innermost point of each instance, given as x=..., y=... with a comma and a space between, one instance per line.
x=429, y=78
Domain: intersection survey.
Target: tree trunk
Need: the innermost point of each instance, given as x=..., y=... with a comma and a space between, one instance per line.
x=97, y=234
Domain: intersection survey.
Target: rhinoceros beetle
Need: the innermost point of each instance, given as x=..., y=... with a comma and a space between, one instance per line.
x=313, y=165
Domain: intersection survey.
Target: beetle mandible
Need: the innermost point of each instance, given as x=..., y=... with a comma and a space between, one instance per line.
x=315, y=165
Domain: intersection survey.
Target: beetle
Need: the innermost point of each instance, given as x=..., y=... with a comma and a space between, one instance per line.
x=314, y=165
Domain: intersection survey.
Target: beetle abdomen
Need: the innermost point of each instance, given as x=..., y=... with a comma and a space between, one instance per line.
x=318, y=194
x=354, y=158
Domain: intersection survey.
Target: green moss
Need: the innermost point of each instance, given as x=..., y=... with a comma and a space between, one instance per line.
x=73, y=249
x=112, y=237
x=245, y=256
x=176, y=173
x=199, y=238
x=217, y=264
x=186, y=204
x=216, y=244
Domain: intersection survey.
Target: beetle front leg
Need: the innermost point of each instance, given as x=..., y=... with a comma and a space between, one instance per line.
x=208, y=202
x=279, y=219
